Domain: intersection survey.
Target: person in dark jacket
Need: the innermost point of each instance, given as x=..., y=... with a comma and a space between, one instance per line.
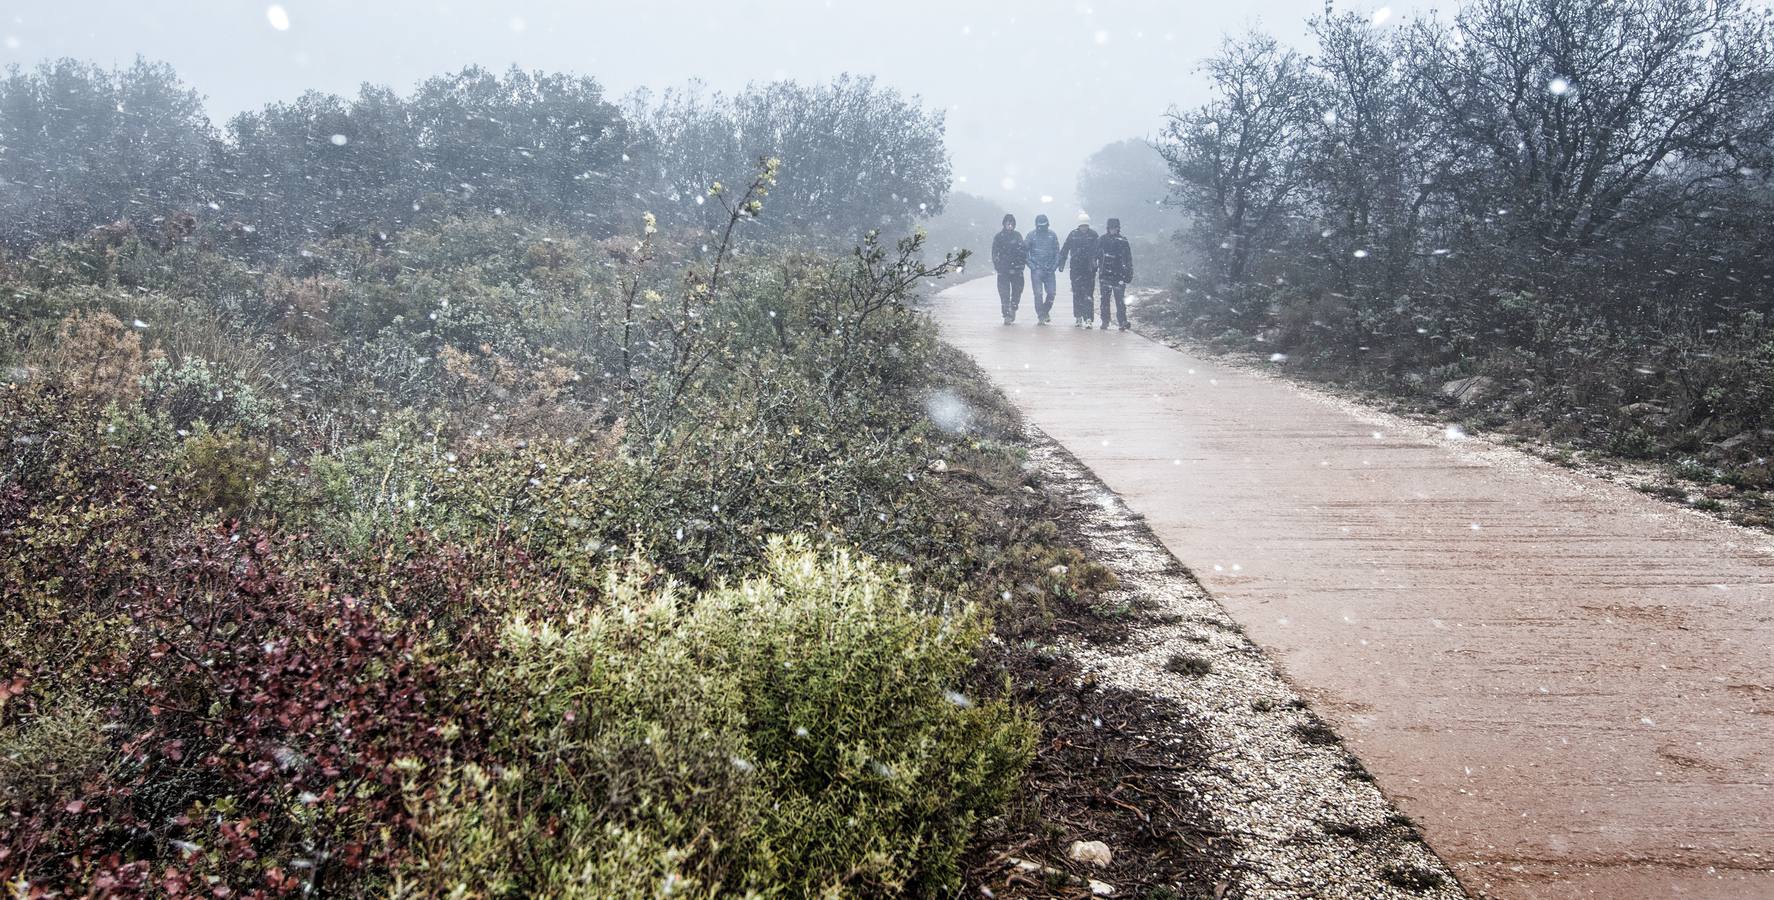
x=1114, y=269
x=1009, y=255
x=1080, y=249
x=1043, y=249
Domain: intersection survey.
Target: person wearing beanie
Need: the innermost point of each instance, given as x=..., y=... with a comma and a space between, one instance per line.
x=1043, y=253
x=1114, y=271
x=1080, y=250
x=1009, y=255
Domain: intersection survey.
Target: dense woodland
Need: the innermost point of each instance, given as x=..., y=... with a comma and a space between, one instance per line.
x=1568, y=202
x=489, y=491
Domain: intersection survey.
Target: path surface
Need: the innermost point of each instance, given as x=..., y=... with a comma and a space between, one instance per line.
x=1569, y=686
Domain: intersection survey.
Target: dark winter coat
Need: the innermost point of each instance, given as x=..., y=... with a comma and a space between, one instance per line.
x=1042, y=247
x=1080, y=248
x=1114, y=259
x=1009, y=253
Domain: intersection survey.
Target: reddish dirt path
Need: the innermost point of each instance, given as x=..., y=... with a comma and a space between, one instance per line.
x=1569, y=686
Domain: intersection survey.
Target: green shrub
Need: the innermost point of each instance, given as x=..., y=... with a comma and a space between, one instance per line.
x=798, y=734
x=195, y=391
x=52, y=754
x=224, y=472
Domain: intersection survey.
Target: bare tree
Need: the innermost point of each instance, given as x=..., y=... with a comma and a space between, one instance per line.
x=1385, y=155
x=1240, y=160
x=1574, y=107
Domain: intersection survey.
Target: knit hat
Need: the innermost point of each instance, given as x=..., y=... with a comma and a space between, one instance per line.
x=1040, y=220
x=1113, y=223
x=1084, y=218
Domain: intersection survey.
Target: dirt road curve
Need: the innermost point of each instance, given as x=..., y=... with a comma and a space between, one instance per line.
x=1568, y=685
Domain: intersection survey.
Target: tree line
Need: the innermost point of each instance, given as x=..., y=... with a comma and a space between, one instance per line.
x=1569, y=199
x=83, y=146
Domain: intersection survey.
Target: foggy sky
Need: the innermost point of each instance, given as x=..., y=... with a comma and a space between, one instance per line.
x=1031, y=88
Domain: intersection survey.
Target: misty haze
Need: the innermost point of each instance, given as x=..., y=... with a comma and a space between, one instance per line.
x=824, y=449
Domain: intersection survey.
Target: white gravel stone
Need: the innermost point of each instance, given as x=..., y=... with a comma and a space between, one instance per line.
x=1094, y=852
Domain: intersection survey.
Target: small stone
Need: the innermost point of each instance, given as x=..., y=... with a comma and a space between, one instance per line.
x=1735, y=441
x=1094, y=852
x=1469, y=390
x=1101, y=889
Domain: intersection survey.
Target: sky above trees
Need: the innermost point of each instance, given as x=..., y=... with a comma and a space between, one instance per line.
x=1031, y=87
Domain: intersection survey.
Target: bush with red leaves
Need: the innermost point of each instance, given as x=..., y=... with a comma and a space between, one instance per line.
x=248, y=701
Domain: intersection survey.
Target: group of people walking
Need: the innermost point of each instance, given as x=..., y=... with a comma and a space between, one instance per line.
x=1105, y=260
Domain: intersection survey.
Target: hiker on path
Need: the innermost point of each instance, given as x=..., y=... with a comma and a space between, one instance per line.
x=1043, y=252
x=1114, y=271
x=1009, y=255
x=1080, y=248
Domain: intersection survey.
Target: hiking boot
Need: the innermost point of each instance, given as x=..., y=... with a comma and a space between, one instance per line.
x=1009, y=320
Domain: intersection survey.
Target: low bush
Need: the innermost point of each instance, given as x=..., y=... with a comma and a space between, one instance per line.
x=799, y=734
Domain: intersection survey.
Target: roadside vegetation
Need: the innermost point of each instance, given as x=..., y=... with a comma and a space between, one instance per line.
x=1546, y=217
x=376, y=529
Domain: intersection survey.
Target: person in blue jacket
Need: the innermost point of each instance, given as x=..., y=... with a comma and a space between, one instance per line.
x=1043, y=252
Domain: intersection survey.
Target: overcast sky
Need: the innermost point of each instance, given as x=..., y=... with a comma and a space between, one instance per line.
x=1031, y=87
